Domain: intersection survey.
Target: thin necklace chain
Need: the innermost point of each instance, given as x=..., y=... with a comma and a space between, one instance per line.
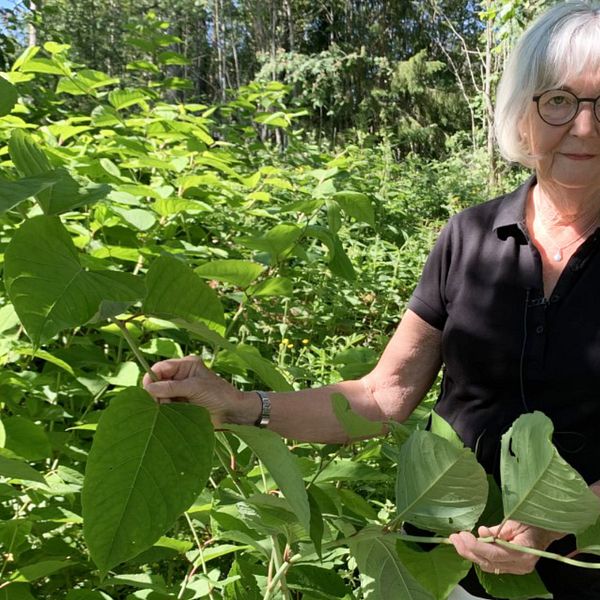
x=558, y=255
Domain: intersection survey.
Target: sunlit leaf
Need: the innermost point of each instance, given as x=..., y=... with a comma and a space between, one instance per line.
x=382, y=574
x=48, y=286
x=538, y=486
x=270, y=449
x=147, y=464
x=238, y=272
x=174, y=290
x=439, y=487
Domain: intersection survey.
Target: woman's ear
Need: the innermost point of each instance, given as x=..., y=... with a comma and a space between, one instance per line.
x=523, y=129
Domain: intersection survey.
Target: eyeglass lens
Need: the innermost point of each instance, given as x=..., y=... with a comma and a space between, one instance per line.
x=558, y=107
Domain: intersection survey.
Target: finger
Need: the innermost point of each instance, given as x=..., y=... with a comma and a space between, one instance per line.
x=486, y=555
x=175, y=368
x=171, y=389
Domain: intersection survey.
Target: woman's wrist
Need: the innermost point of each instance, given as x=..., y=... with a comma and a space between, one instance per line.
x=247, y=409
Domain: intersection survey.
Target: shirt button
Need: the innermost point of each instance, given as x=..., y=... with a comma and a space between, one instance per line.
x=539, y=329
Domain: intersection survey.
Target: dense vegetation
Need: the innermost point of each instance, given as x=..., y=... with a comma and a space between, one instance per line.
x=213, y=178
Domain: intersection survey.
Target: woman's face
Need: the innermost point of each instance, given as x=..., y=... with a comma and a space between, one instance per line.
x=568, y=155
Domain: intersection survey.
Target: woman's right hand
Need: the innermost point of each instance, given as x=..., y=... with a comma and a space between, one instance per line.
x=188, y=380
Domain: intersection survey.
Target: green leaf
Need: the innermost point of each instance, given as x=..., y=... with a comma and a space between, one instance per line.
x=317, y=526
x=439, y=570
x=264, y=368
x=334, y=219
x=174, y=290
x=16, y=591
x=355, y=425
x=85, y=81
x=147, y=464
x=538, y=486
x=41, y=569
x=8, y=96
x=65, y=194
x=137, y=217
x=382, y=574
x=312, y=579
x=588, y=540
x=443, y=429
x=238, y=272
x=273, y=286
x=47, y=285
x=43, y=65
x=26, y=439
x=515, y=587
x=356, y=205
x=15, y=192
x=339, y=263
x=278, y=242
x=16, y=469
x=281, y=464
x=439, y=487
x=121, y=99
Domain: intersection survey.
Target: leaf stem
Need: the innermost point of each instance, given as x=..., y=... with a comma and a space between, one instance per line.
x=542, y=553
x=202, y=562
x=281, y=571
x=134, y=348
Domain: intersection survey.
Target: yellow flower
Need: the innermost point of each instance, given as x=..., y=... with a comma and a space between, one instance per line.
x=305, y=341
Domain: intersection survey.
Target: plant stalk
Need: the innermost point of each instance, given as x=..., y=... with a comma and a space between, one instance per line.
x=134, y=348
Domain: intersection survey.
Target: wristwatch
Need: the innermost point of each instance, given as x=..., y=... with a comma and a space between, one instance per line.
x=265, y=410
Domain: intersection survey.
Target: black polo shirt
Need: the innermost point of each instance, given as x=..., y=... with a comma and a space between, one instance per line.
x=506, y=348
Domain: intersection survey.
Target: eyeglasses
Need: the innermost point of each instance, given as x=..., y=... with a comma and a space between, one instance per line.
x=558, y=107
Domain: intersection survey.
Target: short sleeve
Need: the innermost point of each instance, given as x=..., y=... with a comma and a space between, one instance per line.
x=429, y=297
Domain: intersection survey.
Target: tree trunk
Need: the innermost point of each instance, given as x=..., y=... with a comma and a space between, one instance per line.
x=491, y=151
x=31, y=30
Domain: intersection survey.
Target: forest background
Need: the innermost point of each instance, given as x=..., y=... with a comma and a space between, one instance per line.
x=300, y=158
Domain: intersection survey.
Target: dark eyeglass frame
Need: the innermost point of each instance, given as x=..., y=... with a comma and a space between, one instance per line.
x=594, y=101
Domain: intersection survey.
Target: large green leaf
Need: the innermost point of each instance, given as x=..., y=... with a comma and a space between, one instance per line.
x=8, y=96
x=382, y=574
x=147, y=464
x=281, y=464
x=66, y=193
x=439, y=487
x=538, y=486
x=174, y=290
x=48, y=286
x=439, y=570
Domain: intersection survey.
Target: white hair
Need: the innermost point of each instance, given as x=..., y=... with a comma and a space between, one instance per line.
x=562, y=43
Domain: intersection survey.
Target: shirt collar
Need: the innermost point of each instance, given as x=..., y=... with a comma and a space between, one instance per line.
x=512, y=208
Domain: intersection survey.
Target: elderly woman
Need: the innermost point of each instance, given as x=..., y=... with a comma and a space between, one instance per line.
x=508, y=302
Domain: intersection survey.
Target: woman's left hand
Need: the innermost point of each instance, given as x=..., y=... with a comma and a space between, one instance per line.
x=496, y=559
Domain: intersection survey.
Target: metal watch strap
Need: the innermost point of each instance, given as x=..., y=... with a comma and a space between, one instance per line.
x=265, y=411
